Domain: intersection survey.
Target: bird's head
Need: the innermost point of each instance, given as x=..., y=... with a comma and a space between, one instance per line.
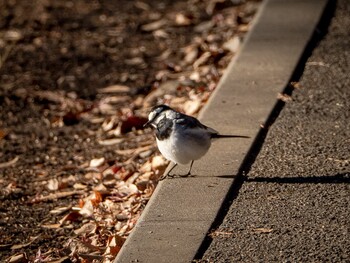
x=158, y=113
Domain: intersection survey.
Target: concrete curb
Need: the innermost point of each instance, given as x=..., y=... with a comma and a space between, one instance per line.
x=180, y=213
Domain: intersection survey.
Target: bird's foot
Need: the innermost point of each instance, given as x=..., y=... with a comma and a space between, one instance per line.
x=165, y=175
x=185, y=175
x=174, y=175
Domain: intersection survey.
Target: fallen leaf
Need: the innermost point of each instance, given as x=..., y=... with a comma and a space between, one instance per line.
x=182, y=20
x=134, y=61
x=158, y=162
x=202, y=59
x=13, y=35
x=52, y=184
x=115, y=89
x=192, y=106
x=284, y=97
x=60, y=210
x=110, y=141
x=72, y=216
x=232, y=44
x=160, y=33
x=132, y=122
x=20, y=258
x=79, y=186
x=86, y=229
x=204, y=26
x=96, y=199
x=191, y=54
x=96, y=162
x=51, y=226
x=19, y=246
x=154, y=25
x=295, y=84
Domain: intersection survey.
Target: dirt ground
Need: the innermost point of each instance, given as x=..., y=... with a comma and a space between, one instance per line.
x=77, y=79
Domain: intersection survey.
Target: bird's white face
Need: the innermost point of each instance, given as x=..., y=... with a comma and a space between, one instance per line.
x=154, y=117
x=158, y=114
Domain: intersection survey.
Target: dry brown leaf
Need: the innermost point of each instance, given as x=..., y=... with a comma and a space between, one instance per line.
x=284, y=97
x=232, y=44
x=60, y=210
x=97, y=162
x=295, y=84
x=13, y=35
x=146, y=167
x=20, y=258
x=87, y=210
x=134, y=61
x=114, y=245
x=158, y=162
x=244, y=28
x=182, y=20
x=115, y=89
x=164, y=55
x=202, y=59
x=192, y=106
x=191, y=54
x=109, y=123
x=154, y=25
x=204, y=26
x=116, y=99
x=52, y=184
x=51, y=226
x=110, y=141
x=19, y=246
x=79, y=186
x=86, y=229
x=160, y=33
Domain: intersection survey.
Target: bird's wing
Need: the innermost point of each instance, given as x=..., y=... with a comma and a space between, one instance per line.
x=191, y=123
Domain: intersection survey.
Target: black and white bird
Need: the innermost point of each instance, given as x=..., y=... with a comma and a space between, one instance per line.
x=181, y=139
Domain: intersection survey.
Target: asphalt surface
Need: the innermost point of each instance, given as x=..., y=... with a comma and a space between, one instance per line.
x=294, y=204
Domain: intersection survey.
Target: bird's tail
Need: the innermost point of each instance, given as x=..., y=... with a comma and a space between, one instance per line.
x=218, y=136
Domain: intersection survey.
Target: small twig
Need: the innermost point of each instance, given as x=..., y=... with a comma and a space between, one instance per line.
x=9, y=163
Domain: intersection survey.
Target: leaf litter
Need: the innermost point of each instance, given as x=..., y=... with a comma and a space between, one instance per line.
x=101, y=197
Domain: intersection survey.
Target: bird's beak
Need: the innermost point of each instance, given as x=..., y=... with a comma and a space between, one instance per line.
x=147, y=124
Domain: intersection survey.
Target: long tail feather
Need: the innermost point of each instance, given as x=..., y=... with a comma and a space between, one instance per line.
x=218, y=136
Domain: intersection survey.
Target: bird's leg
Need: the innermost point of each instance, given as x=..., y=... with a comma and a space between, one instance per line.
x=168, y=173
x=189, y=171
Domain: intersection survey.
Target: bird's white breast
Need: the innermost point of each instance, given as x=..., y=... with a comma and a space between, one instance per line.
x=185, y=145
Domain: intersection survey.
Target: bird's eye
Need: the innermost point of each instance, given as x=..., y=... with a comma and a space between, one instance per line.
x=161, y=122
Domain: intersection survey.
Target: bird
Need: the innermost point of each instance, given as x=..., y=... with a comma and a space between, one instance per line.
x=181, y=138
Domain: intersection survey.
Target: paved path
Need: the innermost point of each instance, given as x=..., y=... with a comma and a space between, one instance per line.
x=294, y=205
